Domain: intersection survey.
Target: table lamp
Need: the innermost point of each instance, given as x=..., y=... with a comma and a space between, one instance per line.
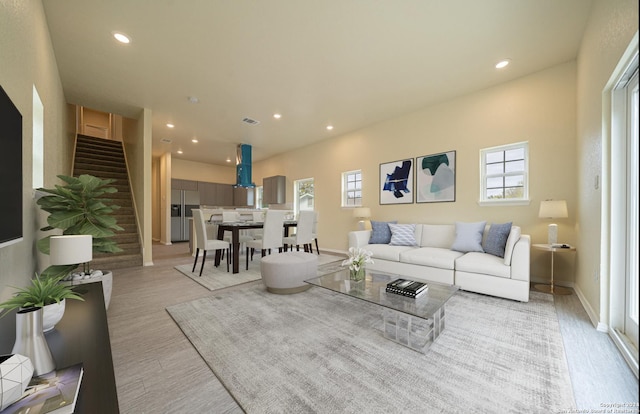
x=553, y=209
x=71, y=249
x=361, y=213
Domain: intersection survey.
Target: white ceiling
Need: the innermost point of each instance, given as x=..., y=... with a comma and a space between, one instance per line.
x=348, y=63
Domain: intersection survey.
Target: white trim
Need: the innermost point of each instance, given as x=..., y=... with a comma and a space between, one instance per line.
x=343, y=196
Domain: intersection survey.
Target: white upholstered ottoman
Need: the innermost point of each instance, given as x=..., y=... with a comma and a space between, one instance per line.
x=285, y=273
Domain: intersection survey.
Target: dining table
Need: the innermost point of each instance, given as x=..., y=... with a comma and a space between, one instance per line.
x=235, y=227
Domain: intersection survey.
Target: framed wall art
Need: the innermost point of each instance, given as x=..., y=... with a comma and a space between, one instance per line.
x=396, y=182
x=436, y=178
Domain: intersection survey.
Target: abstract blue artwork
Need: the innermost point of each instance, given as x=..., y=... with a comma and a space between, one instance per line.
x=396, y=182
x=436, y=178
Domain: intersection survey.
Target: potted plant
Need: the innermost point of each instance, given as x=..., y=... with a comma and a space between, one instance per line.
x=46, y=293
x=79, y=208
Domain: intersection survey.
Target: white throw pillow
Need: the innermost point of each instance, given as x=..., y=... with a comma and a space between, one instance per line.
x=514, y=236
x=469, y=237
x=403, y=234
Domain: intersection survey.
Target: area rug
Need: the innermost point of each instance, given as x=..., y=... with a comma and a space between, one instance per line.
x=214, y=278
x=322, y=352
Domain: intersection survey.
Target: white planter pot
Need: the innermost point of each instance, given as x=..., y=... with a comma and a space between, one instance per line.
x=52, y=314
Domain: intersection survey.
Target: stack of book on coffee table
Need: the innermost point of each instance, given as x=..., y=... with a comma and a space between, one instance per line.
x=405, y=287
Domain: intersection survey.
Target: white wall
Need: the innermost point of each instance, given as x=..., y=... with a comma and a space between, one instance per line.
x=27, y=59
x=540, y=109
x=612, y=25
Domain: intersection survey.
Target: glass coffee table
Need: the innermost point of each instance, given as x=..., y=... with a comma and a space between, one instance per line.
x=414, y=323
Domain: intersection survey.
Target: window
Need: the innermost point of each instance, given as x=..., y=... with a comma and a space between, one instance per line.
x=352, y=189
x=259, y=196
x=504, y=172
x=303, y=195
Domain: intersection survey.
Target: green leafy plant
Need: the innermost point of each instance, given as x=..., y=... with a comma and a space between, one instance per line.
x=42, y=291
x=80, y=208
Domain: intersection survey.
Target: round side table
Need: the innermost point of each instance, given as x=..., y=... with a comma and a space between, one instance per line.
x=551, y=288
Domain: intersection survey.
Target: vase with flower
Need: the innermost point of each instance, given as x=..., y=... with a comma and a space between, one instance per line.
x=356, y=260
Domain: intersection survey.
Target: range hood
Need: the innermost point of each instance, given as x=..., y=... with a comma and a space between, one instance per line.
x=243, y=167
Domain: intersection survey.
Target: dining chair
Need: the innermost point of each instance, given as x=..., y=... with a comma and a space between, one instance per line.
x=258, y=217
x=271, y=234
x=304, y=229
x=314, y=232
x=234, y=217
x=204, y=243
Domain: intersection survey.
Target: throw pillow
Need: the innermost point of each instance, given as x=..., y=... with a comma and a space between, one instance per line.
x=403, y=234
x=496, y=239
x=514, y=236
x=380, y=232
x=469, y=237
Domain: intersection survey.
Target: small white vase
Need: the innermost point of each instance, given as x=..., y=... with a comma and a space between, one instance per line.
x=52, y=314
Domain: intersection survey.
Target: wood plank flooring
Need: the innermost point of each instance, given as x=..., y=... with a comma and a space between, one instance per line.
x=158, y=371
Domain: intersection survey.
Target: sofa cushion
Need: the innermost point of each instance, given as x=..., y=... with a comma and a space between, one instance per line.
x=496, y=239
x=403, y=234
x=380, y=232
x=514, y=236
x=387, y=252
x=431, y=256
x=483, y=263
x=438, y=235
x=469, y=237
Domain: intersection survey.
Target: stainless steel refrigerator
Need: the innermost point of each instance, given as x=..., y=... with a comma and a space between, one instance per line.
x=182, y=202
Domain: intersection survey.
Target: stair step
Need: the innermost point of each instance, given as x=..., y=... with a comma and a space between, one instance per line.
x=98, y=152
x=100, y=141
x=86, y=162
x=101, y=173
x=117, y=262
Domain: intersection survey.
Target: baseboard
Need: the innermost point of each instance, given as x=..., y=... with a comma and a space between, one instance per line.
x=593, y=317
x=333, y=251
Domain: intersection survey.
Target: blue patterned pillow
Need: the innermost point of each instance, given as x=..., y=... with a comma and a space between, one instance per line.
x=496, y=239
x=469, y=237
x=403, y=235
x=380, y=232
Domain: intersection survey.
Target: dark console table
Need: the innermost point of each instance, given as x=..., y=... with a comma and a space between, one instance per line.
x=81, y=336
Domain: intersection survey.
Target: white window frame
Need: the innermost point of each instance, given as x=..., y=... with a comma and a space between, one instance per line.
x=347, y=177
x=524, y=200
x=296, y=194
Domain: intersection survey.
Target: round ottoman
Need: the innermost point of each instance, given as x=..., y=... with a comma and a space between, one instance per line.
x=285, y=273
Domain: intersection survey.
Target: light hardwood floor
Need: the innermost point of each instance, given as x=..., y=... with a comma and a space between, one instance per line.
x=158, y=371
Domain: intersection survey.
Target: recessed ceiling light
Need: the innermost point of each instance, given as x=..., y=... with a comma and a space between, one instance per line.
x=179, y=151
x=193, y=99
x=195, y=141
x=329, y=127
x=277, y=116
x=170, y=125
x=228, y=159
x=121, y=37
x=502, y=64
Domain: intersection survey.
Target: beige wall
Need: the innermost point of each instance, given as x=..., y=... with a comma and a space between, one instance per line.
x=198, y=171
x=612, y=25
x=27, y=59
x=540, y=109
x=137, y=146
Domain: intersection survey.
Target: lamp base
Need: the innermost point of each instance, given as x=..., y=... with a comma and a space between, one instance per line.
x=553, y=234
x=554, y=290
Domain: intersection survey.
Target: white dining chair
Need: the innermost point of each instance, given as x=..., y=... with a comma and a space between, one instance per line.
x=258, y=217
x=304, y=229
x=204, y=243
x=234, y=217
x=314, y=232
x=271, y=235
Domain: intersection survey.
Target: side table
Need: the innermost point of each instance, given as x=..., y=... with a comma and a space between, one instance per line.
x=551, y=288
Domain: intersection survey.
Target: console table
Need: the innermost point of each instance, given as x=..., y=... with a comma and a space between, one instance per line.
x=81, y=336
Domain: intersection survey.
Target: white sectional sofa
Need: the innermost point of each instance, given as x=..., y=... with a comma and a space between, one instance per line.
x=432, y=259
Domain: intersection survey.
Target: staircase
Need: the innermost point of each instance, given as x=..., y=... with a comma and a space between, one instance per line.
x=105, y=159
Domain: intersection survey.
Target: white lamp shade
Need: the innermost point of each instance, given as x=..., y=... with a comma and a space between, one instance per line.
x=553, y=209
x=72, y=249
x=362, y=212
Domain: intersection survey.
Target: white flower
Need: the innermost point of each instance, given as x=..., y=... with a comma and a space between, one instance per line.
x=357, y=258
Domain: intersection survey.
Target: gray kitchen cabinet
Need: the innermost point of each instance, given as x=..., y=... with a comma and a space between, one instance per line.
x=224, y=194
x=178, y=184
x=208, y=193
x=274, y=189
x=243, y=196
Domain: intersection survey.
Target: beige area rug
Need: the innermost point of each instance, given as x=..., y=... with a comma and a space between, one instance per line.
x=214, y=278
x=322, y=352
